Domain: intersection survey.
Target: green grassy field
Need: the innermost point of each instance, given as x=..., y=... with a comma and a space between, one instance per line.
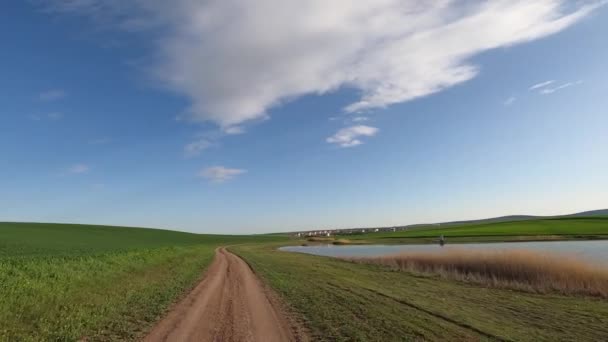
x=544, y=229
x=343, y=301
x=67, y=282
x=70, y=282
x=29, y=239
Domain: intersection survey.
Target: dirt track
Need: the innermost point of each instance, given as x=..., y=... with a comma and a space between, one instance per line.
x=230, y=304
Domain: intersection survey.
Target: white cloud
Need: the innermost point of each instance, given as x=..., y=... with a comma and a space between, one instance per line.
x=547, y=90
x=220, y=174
x=360, y=119
x=79, y=169
x=236, y=59
x=541, y=85
x=232, y=130
x=509, y=101
x=195, y=148
x=348, y=137
x=549, y=87
x=52, y=95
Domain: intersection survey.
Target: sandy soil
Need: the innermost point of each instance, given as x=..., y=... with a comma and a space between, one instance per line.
x=229, y=304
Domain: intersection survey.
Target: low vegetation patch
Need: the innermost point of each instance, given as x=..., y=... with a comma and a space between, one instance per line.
x=103, y=297
x=342, y=242
x=346, y=301
x=319, y=239
x=75, y=282
x=521, y=270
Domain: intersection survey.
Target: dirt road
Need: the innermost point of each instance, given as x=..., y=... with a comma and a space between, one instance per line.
x=230, y=304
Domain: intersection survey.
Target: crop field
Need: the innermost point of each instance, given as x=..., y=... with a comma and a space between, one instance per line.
x=71, y=282
x=344, y=301
x=561, y=228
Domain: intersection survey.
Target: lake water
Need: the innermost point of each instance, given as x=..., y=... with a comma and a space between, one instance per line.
x=593, y=251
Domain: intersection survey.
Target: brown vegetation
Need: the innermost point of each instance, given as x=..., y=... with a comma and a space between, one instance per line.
x=520, y=270
x=319, y=239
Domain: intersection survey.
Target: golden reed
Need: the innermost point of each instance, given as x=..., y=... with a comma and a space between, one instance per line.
x=515, y=269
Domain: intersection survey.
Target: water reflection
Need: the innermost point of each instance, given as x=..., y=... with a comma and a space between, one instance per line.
x=594, y=251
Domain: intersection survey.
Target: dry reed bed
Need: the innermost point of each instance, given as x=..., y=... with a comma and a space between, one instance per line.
x=519, y=269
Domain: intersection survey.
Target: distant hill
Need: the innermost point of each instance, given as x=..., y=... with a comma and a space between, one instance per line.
x=590, y=213
x=509, y=218
x=513, y=218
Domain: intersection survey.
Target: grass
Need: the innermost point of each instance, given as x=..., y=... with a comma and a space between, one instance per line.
x=105, y=297
x=515, y=269
x=344, y=301
x=48, y=239
x=542, y=229
x=69, y=282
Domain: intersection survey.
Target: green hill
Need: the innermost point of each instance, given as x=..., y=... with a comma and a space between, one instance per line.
x=562, y=228
x=53, y=239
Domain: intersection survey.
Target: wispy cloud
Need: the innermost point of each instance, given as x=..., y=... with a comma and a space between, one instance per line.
x=550, y=87
x=79, y=169
x=52, y=95
x=509, y=101
x=237, y=59
x=360, y=119
x=349, y=136
x=220, y=174
x=234, y=130
x=541, y=85
x=551, y=90
x=196, y=147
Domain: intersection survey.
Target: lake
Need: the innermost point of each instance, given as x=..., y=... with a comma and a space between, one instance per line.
x=593, y=251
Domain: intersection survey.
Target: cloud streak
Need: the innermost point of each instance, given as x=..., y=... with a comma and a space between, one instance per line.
x=235, y=60
x=349, y=136
x=549, y=87
x=547, y=90
x=196, y=147
x=541, y=85
x=220, y=174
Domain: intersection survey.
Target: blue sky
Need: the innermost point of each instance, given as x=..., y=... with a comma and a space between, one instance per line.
x=220, y=117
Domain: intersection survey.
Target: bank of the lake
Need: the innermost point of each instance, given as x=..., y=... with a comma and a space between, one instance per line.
x=340, y=300
x=344, y=301
x=592, y=251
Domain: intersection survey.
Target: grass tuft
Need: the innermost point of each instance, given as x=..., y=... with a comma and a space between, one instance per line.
x=520, y=270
